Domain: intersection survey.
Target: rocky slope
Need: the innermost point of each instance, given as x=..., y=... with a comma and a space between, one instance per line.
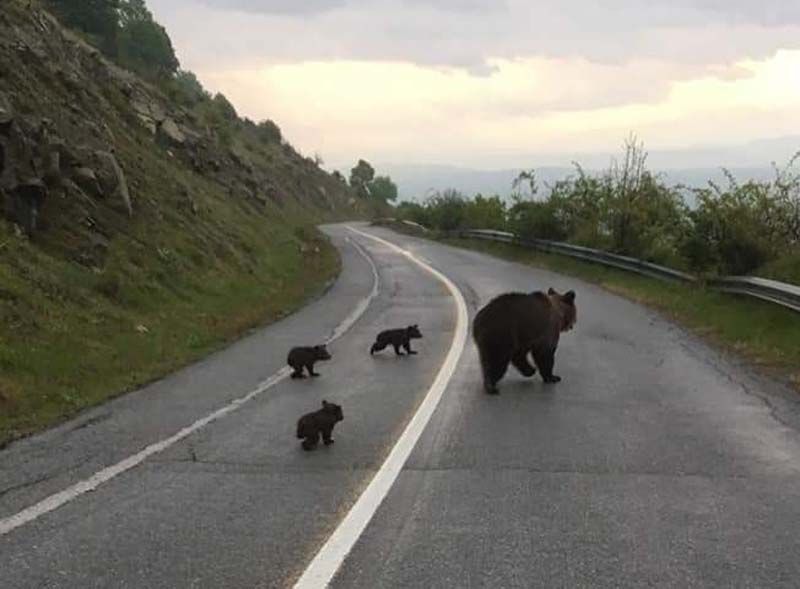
x=136, y=234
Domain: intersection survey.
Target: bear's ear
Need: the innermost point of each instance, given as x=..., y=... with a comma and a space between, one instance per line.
x=570, y=297
x=324, y=403
x=551, y=291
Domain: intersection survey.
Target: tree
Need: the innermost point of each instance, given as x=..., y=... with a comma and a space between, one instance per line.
x=145, y=46
x=188, y=88
x=97, y=18
x=269, y=132
x=224, y=107
x=525, y=177
x=383, y=188
x=362, y=174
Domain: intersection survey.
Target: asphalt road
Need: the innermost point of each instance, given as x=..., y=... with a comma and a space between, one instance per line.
x=656, y=462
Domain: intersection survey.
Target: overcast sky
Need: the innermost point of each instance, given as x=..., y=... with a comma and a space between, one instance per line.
x=495, y=84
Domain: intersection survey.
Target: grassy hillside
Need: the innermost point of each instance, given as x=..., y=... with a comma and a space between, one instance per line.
x=139, y=232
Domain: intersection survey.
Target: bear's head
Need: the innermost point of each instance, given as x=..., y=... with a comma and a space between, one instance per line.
x=565, y=304
x=333, y=409
x=321, y=353
x=413, y=332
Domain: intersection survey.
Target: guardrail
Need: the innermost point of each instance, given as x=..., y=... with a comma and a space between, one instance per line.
x=779, y=293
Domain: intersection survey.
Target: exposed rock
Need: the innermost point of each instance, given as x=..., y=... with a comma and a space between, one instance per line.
x=51, y=163
x=27, y=200
x=6, y=110
x=169, y=134
x=112, y=178
x=88, y=182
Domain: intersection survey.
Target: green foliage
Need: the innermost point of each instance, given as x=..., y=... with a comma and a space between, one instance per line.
x=185, y=89
x=360, y=177
x=99, y=19
x=383, y=188
x=145, y=47
x=447, y=210
x=752, y=228
x=224, y=107
x=485, y=213
x=269, y=132
x=125, y=31
x=739, y=228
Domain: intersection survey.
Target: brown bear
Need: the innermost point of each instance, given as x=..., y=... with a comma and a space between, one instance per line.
x=311, y=425
x=513, y=325
x=305, y=357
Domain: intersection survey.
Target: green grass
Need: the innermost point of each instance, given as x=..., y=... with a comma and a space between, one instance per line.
x=72, y=339
x=764, y=334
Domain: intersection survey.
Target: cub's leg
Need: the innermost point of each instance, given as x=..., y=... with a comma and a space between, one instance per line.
x=397, y=350
x=377, y=347
x=311, y=441
x=310, y=368
x=407, y=346
x=520, y=362
x=545, y=359
x=326, y=435
x=298, y=371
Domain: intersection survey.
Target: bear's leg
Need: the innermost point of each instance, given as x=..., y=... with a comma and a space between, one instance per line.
x=376, y=347
x=326, y=435
x=494, y=364
x=311, y=441
x=520, y=362
x=397, y=350
x=298, y=371
x=407, y=346
x=545, y=359
x=310, y=367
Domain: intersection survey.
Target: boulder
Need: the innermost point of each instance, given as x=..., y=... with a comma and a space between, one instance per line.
x=112, y=178
x=169, y=134
x=87, y=180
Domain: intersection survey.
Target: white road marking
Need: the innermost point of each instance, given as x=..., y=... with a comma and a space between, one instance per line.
x=330, y=557
x=59, y=499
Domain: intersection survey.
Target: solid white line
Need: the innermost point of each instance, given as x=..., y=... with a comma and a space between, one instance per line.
x=59, y=499
x=330, y=557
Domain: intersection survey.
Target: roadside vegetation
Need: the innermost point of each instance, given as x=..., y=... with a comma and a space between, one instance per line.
x=751, y=228
x=104, y=289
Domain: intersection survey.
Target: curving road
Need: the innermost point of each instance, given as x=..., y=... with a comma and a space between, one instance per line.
x=656, y=462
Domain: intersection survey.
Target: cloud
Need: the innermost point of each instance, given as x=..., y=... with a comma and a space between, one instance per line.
x=403, y=112
x=470, y=33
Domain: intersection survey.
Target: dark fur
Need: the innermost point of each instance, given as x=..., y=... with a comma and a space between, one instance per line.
x=311, y=425
x=304, y=357
x=397, y=338
x=514, y=325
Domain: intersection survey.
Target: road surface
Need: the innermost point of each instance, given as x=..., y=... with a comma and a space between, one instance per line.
x=656, y=462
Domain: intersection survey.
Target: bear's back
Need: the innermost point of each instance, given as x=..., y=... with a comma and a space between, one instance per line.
x=512, y=313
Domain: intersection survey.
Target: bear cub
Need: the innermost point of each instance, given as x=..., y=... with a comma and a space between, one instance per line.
x=514, y=325
x=311, y=425
x=396, y=338
x=304, y=357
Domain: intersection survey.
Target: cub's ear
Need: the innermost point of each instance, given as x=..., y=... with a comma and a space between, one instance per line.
x=570, y=297
x=551, y=291
x=324, y=403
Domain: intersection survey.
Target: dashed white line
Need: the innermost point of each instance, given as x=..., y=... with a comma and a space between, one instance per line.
x=330, y=557
x=72, y=492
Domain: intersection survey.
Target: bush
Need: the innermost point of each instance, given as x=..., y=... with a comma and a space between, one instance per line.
x=753, y=228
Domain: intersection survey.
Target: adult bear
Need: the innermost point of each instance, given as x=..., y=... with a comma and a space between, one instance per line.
x=515, y=324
